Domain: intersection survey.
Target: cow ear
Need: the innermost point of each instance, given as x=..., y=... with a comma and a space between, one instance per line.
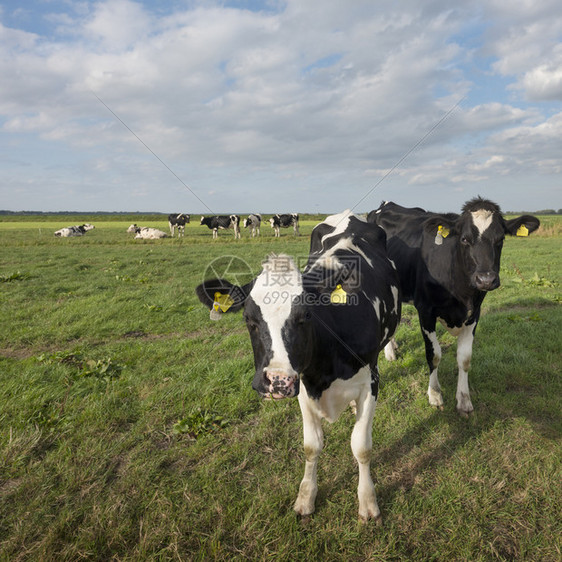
x=440, y=228
x=522, y=226
x=220, y=296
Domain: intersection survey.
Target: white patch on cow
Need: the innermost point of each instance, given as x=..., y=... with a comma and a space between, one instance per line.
x=377, y=307
x=273, y=292
x=329, y=261
x=340, y=222
x=482, y=219
x=336, y=398
x=394, y=291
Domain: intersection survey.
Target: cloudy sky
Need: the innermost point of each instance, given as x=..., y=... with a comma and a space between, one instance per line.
x=279, y=105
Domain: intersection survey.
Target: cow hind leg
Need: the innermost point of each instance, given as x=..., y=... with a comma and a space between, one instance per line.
x=464, y=356
x=313, y=443
x=361, y=445
x=390, y=350
x=433, y=356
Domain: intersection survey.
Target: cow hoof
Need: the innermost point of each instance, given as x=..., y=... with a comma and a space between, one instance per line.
x=435, y=398
x=376, y=519
x=464, y=406
x=304, y=520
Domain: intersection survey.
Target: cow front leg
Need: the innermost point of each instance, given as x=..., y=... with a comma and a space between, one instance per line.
x=433, y=357
x=361, y=445
x=464, y=356
x=313, y=443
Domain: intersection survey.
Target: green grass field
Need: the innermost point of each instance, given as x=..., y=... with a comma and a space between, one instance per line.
x=129, y=429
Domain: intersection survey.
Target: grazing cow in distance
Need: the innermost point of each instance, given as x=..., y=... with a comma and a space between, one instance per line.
x=284, y=221
x=253, y=222
x=147, y=233
x=447, y=263
x=222, y=222
x=178, y=220
x=78, y=230
x=318, y=335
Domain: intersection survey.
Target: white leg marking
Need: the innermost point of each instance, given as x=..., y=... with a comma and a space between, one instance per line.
x=390, y=350
x=464, y=356
x=313, y=443
x=361, y=445
x=434, y=389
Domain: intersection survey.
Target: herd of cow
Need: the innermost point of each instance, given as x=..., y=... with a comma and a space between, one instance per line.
x=317, y=334
x=214, y=223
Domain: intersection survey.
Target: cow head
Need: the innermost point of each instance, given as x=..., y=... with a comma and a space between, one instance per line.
x=477, y=239
x=277, y=319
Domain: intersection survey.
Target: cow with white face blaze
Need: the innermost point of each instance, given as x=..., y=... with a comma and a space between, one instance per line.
x=253, y=222
x=284, y=221
x=447, y=263
x=222, y=222
x=178, y=220
x=318, y=334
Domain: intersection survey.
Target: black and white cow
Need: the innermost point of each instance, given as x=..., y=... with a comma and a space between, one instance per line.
x=253, y=222
x=447, y=263
x=318, y=334
x=222, y=222
x=284, y=221
x=77, y=230
x=146, y=232
x=178, y=220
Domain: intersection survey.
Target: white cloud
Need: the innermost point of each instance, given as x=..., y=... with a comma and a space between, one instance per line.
x=284, y=104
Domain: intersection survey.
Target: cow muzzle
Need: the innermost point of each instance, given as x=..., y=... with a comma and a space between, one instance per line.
x=486, y=281
x=276, y=384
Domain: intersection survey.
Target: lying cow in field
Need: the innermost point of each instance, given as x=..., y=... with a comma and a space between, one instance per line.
x=447, y=263
x=222, y=222
x=284, y=221
x=78, y=230
x=253, y=222
x=318, y=335
x=178, y=220
x=147, y=233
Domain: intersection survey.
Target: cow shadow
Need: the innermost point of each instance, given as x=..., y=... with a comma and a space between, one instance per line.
x=503, y=390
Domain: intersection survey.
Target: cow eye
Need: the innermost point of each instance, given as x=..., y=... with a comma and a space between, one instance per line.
x=465, y=240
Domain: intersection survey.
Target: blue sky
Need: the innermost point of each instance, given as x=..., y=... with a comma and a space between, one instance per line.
x=279, y=106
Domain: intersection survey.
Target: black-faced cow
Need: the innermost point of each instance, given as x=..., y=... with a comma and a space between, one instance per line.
x=222, y=222
x=253, y=222
x=318, y=334
x=178, y=220
x=77, y=230
x=284, y=221
x=447, y=263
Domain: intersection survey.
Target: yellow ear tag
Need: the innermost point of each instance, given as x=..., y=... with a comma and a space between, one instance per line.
x=442, y=232
x=338, y=296
x=222, y=302
x=522, y=231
